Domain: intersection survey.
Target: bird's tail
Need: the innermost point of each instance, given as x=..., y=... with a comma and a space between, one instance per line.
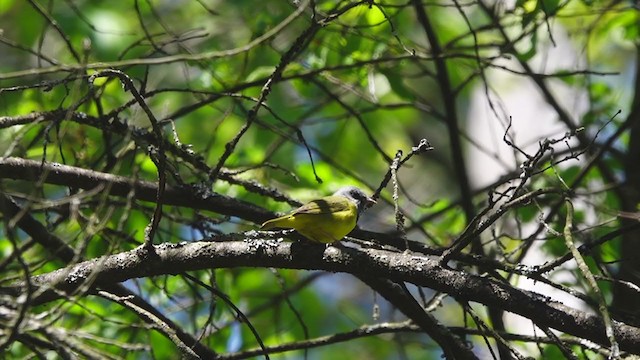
x=275, y=223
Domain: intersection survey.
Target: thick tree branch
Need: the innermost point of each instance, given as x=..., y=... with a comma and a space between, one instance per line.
x=418, y=270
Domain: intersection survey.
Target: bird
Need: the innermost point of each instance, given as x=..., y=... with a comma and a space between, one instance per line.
x=328, y=219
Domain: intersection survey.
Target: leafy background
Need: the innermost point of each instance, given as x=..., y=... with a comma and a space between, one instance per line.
x=345, y=85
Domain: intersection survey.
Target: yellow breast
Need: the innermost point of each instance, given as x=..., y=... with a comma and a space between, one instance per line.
x=321, y=224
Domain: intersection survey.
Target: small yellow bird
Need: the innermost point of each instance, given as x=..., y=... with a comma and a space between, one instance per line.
x=328, y=219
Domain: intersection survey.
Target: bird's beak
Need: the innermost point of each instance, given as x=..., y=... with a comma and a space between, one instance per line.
x=371, y=202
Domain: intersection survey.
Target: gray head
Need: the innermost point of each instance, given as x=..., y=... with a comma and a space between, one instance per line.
x=357, y=196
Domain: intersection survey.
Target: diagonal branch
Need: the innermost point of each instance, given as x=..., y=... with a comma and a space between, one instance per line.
x=65, y=175
x=452, y=346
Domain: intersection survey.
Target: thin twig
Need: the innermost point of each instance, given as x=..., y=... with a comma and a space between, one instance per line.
x=584, y=269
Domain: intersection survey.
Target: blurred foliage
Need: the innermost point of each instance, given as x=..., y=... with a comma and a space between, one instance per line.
x=363, y=87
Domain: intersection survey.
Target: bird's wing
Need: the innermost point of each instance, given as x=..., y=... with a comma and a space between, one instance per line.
x=326, y=205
